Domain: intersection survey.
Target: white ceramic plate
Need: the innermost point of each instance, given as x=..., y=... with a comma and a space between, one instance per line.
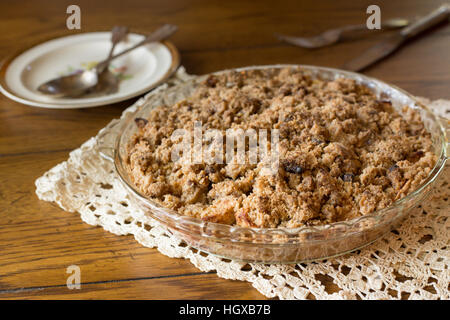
x=140, y=70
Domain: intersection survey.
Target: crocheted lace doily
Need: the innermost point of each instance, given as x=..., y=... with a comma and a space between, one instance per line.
x=410, y=262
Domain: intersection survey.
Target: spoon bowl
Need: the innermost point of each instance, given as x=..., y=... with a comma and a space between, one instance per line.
x=70, y=85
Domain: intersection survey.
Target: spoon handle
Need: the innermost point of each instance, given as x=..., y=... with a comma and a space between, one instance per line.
x=160, y=34
x=118, y=34
x=357, y=29
x=435, y=17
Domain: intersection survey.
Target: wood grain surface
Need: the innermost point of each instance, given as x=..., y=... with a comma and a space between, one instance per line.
x=38, y=241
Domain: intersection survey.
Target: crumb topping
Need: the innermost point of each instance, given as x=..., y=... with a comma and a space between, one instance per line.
x=343, y=153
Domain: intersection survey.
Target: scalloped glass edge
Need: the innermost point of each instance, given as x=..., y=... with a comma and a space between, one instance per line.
x=300, y=235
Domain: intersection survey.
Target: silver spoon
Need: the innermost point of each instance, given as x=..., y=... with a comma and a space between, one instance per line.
x=108, y=83
x=76, y=84
x=332, y=36
x=118, y=34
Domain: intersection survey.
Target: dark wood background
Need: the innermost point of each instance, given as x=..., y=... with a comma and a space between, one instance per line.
x=38, y=240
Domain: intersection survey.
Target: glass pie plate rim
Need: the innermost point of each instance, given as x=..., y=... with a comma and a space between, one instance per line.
x=110, y=144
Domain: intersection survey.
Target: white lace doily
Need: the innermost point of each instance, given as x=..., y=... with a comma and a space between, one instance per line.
x=410, y=262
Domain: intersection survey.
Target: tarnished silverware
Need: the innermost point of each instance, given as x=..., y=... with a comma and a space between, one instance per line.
x=332, y=36
x=118, y=34
x=77, y=84
x=108, y=83
x=386, y=47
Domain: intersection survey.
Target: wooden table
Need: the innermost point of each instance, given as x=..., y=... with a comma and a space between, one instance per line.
x=38, y=240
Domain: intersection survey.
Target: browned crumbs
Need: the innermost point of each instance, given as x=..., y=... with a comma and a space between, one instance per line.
x=343, y=153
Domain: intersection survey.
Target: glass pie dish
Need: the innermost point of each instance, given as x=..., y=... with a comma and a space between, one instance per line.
x=277, y=245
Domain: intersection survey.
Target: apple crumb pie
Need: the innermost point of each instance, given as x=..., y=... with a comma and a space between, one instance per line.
x=343, y=152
